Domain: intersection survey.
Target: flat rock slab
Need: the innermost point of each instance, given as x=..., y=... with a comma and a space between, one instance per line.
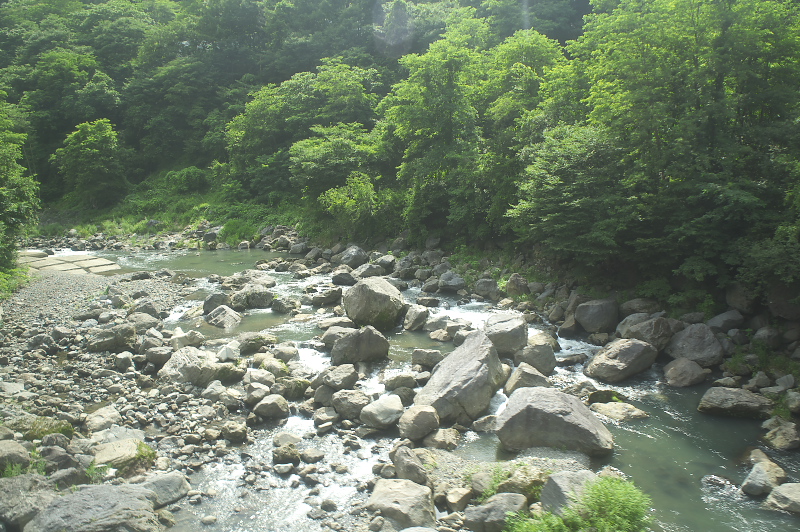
x=39, y=260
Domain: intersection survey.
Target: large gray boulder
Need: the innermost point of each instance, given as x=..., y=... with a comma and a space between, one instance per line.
x=13, y=454
x=103, y=418
x=599, y=315
x=544, y=417
x=464, y=382
x=360, y=345
x=417, y=422
x=190, y=364
x=223, y=317
x=22, y=497
x=252, y=295
x=214, y=300
x=696, y=342
x=415, y=318
x=353, y=256
x=655, y=331
x=117, y=339
x=726, y=321
x=564, y=489
x=409, y=466
x=621, y=359
x=735, y=402
x=374, y=301
x=383, y=412
x=785, y=497
x=104, y=508
x=403, y=502
x=508, y=333
x=491, y=515
x=524, y=376
x=763, y=478
x=349, y=403
x=683, y=372
x=450, y=281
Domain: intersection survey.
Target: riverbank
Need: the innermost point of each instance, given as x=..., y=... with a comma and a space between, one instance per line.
x=167, y=403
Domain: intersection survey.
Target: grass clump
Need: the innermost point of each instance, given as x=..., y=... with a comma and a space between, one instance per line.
x=11, y=280
x=42, y=426
x=499, y=475
x=95, y=473
x=609, y=504
x=36, y=465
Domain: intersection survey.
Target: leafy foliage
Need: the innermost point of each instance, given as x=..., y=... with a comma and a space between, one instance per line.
x=609, y=504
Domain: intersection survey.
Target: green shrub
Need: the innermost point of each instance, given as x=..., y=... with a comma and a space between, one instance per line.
x=608, y=505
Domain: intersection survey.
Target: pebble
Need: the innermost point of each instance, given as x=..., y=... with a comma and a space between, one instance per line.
x=209, y=519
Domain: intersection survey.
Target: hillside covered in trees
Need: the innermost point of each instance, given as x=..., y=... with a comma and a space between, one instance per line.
x=631, y=139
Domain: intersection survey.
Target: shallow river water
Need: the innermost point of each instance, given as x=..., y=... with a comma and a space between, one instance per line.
x=689, y=463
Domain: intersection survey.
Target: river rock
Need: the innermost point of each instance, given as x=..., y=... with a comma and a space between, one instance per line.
x=726, y=321
x=464, y=382
x=100, y=509
x=508, y=333
x=117, y=339
x=118, y=454
x=544, y=417
x=224, y=317
x=181, y=339
x=214, y=300
x=340, y=377
x=252, y=295
x=735, y=402
x=362, y=345
x=349, y=403
x=683, y=372
x=447, y=439
x=488, y=289
x=403, y=502
x=539, y=356
x=450, y=281
x=353, y=257
x=383, y=412
x=491, y=516
x=374, y=301
x=141, y=321
x=102, y=419
x=409, y=466
x=619, y=411
x=783, y=435
x=785, y=497
x=250, y=342
x=655, y=331
x=524, y=376
x=273, y=406
x=599, y=315
x=327, y=297
x=565, y=488
x=12, y=453
x=696, y=342
x=22, y=497
x=621, y=359
x=190, y=364
x=333, y=333
x=763, y=478
x=426, y=357
x=417, y=422
x=415, y=317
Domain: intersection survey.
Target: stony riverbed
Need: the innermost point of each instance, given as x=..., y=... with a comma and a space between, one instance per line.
x=292, y=417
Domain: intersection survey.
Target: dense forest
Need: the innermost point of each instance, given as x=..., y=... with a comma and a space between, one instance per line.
x=624, y=139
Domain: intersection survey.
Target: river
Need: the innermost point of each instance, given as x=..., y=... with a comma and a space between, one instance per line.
x=689, y=463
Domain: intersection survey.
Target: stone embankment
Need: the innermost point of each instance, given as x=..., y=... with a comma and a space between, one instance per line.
x=97, y=389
